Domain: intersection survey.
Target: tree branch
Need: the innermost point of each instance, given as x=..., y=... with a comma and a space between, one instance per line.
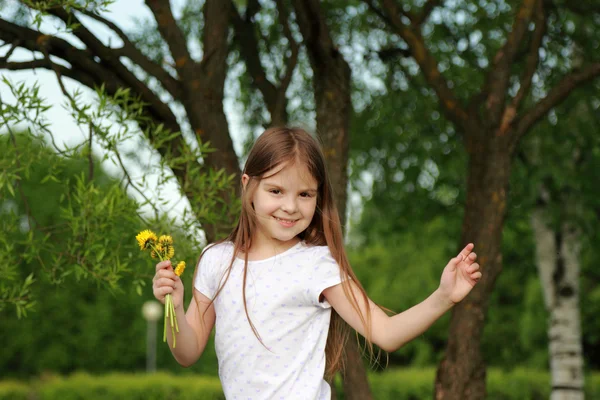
x=426, y=11
x=10, y=51
x=248, y=45
x=30, y=216
x=559, y=93
x=167, y=26
x=273, y=93
x=92, y=74
x=379, y=13
x=79, y=76
x=391, y=53
x=108, y=56
x=531, y=65
x=92, y=128
x=498, y=77
x=292, y=61
x=130, y=51
x=427, y=63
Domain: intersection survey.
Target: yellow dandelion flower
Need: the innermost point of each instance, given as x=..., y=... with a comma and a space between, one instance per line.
x=165, y=240
x=157, y=251
x=169, y=252
x=145, y=238
x=166, y=246
x=180, y=268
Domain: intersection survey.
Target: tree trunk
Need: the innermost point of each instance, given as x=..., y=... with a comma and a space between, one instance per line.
x=332, y=87
x=461, y=374
x=557, y=256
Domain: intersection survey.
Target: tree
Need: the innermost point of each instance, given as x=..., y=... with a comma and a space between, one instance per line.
x=513, y=85
x=475, y=78
x=197, y=88
x=565, y=204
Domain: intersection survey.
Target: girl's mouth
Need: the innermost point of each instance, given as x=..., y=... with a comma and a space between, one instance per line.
x=286, y=222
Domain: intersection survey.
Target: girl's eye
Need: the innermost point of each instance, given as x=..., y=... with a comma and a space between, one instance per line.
x=275, y=191
x=304, y=194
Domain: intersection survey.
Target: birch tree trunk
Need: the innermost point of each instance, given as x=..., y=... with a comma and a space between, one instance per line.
x=558, y=266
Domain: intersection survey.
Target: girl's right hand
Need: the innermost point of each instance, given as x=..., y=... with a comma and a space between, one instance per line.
x=165, y=281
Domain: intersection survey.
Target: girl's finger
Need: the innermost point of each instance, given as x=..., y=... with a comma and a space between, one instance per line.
x=163, y=282
x=161, y=292
x=165, y=273
x=476, y=276
x=466, y=251
x=163, y=265
x=473, y=267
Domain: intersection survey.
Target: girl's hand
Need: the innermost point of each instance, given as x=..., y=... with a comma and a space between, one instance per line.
x=165, y=281
x=460, y=275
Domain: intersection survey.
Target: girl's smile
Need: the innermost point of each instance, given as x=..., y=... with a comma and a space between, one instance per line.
x=286, y=222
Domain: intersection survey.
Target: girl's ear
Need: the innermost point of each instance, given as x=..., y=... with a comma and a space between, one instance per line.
x=245, y=180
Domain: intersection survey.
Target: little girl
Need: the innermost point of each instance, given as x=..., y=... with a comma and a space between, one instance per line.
x=279, y=289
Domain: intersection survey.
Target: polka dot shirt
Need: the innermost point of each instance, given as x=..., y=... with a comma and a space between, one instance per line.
x=282, y=297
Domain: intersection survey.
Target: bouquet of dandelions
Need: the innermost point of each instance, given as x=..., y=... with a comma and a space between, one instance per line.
x=162, y=249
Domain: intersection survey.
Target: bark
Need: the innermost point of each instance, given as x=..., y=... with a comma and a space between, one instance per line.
x=202, y=92
x=331, y=82
x=461, y=374
x=558, y=266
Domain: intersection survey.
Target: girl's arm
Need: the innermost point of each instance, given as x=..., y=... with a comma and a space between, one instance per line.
x=193, y=333
x=195, y=325
x=391, y=333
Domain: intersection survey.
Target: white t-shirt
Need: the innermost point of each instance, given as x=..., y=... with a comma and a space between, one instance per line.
x=282, y=297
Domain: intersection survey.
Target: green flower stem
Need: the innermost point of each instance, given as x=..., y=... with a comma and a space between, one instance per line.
x=170, y=317
x=165, y=323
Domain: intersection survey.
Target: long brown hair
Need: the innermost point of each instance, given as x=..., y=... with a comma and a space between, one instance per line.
x=273, y=148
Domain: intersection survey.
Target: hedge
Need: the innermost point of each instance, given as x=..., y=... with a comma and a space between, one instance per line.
x=399, y=384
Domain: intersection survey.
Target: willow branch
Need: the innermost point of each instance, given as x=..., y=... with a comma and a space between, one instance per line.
x=94, y=128
x=13, y=140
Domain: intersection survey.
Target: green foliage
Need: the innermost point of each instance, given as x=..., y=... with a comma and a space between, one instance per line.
x=119, y=386
x=94, y=302
x=85, y=223
x=402, y=271
x=399, y=384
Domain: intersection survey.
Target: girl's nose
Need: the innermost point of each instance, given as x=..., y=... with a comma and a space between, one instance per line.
x=289, y=205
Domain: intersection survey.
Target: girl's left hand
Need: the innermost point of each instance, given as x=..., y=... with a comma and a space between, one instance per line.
x=460, y=275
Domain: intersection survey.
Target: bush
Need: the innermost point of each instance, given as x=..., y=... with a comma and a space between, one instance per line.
x=519, y=384
x=80, y=386
x=399, y=384
x=14, y=390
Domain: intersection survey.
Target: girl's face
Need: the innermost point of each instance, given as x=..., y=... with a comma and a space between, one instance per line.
x=284, y=203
